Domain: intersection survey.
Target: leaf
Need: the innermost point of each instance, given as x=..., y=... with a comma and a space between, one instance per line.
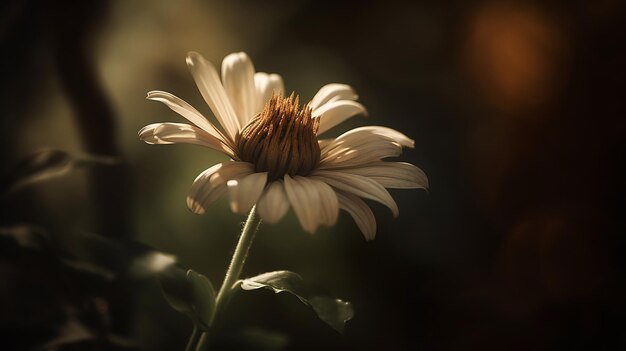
x=176, y=289
x=189, y=293
x=25, y=239
x=203, y=293
x=334, y=312
x=129, y=258
x=49, y=163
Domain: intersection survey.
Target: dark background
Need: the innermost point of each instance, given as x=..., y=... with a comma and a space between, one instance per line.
x=517, y=110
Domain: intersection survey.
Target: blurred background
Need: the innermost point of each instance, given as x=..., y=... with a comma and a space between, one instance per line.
x=516, y=107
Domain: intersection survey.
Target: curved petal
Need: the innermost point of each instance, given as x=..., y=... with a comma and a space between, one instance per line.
x=266, y=85
x=329, y=204
x=359, y=132
x=363, y=145
x=211, y=184
x=239, y=84
x=358, y=185
x=274, y=203
x=359, y=151
x=181, y=107
x=313, y=201
x=332, y=92
x=398, y=175
x=245, y=192
x=172, y=133
x=360, y=212
x=335, y=112
x=210, y=86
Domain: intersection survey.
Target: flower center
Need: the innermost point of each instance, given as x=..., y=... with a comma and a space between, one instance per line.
x=282, y=139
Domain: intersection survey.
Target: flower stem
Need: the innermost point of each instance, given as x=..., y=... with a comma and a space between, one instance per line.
x=239, y=257
x=250, y=228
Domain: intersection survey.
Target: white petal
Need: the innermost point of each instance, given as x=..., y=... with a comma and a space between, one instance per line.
x=399, y=175
x=181, y=107
x=329, y=204
x=379, y=130
x=302, y=203
x=335, y=112
x=363, y=145
x=266, y=84
x=209, y=85
x=332, y=92
x=360, y=212
x=359, y=151
x=238, y=80
x=172, y=133
x=245, y=192
x=147, y=134
x=323, y=143
x=211, y=184
x=314, y=202
x=274, y=203
x=358, y=185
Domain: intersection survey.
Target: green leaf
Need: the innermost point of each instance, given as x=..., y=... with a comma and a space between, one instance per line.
x=49, y=163
x=334, y=312
x=203, y=294
x=189, y=293
x=176, y=289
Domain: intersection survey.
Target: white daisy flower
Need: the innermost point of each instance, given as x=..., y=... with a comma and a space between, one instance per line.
x=277, y=159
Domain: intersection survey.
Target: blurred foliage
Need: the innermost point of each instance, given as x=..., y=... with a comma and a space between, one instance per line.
x=48, y=163
x=65, y=308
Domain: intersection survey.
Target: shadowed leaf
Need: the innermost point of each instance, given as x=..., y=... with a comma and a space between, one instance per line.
x=126, y=257
x=334, y=312
x=176, y=289
x=191, y=294
x=203, y=297
x=46, y=164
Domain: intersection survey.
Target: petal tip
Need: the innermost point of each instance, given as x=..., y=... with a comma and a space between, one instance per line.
x=193, y=58
x=155, y=95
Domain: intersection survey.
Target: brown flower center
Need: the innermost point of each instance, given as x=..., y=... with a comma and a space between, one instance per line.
x=282, y=139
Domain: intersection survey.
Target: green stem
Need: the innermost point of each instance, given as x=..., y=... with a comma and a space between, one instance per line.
x=193, y=339
x=234, y=269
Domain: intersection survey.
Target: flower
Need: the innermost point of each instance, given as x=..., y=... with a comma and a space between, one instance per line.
x=277, y=160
